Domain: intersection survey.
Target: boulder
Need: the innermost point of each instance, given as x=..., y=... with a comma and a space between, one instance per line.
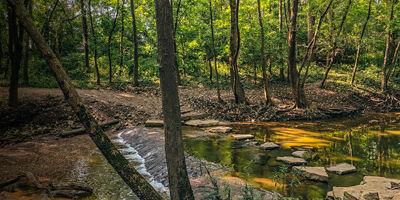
x=154, y=123
x=193, y=116
x=219, y=129
x=313, y=173
x=299, y=154
x=242, y=136
x=342, y=168
x=202, y=123
x=291, y=160
x=269, y=146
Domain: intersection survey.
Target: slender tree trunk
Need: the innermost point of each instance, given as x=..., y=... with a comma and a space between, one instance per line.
x=26, y=49
x=214, y=52
x=267, y=97
x=1, y=55
x=333, y=52
x=237, y=88
x=85, y=35
x=179, y=184
x=121, y=39
x=135, y=47
x=310, y=23
x=178, y=76
x=109, y=43
x=353, y=76
x=389, y=44
x=94, y=43
x=46, y=26
x=210, y=69
x=280, y=15
x=126, y=170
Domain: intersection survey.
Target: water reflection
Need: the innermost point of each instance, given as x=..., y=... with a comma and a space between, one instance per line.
x=371, y=143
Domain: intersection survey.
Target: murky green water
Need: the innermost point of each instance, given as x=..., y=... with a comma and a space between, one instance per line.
x=371, y=143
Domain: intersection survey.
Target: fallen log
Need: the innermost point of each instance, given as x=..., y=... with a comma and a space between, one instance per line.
x=82, y=130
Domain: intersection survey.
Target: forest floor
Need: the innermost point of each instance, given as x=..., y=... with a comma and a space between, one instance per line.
x=29, y=134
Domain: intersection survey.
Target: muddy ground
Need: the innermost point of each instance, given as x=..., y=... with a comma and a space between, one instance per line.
x=29, y=134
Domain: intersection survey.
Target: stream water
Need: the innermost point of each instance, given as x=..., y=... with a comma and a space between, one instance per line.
x=371, y=143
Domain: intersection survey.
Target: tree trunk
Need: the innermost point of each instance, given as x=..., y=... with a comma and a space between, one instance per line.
x=27, y=49
x=280, y=15
x=214, y=53
x=85, y=35
x=388, y=49
x=267, y=97
x=109, y=43
x=237, y=88
x=333, y=52
x=121, y=39
x=135, y=47
x=210, y=69
x=46, y=26
x=353, y=76
x=94, y=43
x=310, y=24
x=126, y=170
x=179, y=184
x=178, y=76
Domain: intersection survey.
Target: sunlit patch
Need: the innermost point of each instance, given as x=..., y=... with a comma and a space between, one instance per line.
x=336, y=138
x=352, y=158
x=153, y=133
x=126, y=95
x=394, y=132
x=267, y=183
x=288, y=145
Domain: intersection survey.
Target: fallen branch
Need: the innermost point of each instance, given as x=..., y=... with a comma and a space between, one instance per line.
x=82, y=130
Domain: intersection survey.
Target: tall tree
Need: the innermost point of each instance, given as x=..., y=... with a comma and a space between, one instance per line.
x=353, y=76
x=135, y=47
x=214, y=53
x=237, y=87
x=126, y=170
x=109, y=43
x=267, y=97
x=178, y=7
x=94, y=42
x=27, y=49
x=121, y=39
x=85, y=35
x=179, y=184
x=280, y=15
x=310, y=23
x=388, y=50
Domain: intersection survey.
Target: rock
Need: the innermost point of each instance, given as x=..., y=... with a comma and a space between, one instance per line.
x=193, y=116
x=269, y=146
x=370, y=195
x=313, y=173
x=219, y=129
x=299, y=154
x=202, y=123
x=242, y=136
x=292, y=160
x=154, y=123
x=250, y=144
x=342, y=168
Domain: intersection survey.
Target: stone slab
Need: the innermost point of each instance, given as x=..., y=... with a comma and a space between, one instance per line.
x=219, y=129
x=291, y=160
x=242, y=136
x=154, y=123
x=269, y=146
x=193, y=116
x=202, y=123
x=342, y=168
x=313, y=173
x=299, y=154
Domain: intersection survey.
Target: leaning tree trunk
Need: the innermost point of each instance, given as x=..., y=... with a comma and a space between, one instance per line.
x=267, y=97
x=179, y=184
x=121, y=39
x=237, y=87
x=94, y=43
x=389, y=44
x=135, y=47
x=85, y=35
x=214, y=53
x=109, y=43
x=126, y=170
x=178, y=76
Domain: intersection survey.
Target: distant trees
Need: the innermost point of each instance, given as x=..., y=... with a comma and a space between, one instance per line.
x=267, y=97
x=109, y=43
x=135, y=47
x=85, y=35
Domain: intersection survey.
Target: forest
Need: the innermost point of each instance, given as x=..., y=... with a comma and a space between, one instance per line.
x=205, y=99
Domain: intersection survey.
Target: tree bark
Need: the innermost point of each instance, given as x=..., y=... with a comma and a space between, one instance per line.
x=214, y=53
x=178, y=76
x=210, y=69
x=27, y=49
x=179, y=184
x=94, y=43
x=85, y=35
x=353, y=76
x=237, y=87
x=121, y=39
x=388, y=49
x=267, y=97
x=126, y=170
x=109, y=43
x=135, y=47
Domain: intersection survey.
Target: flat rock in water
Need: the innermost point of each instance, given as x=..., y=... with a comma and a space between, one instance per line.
x=193, y=115
x=219, y=129
x=269, y=146
x=154, y=123
x=299, y=154
x=292, y=160
x=313, y=173
x=342, y=168
x=242, y=136
x=202, y=123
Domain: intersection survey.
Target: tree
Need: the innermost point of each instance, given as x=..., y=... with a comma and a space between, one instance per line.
x=126, y=170
x=237, y=87
x=179, y=184
x=135, y=47
x=94, y=43
x=109, y=43
x=178, y=76
x=267, y=97
x=121, y=39
x=85, y=35
x=27, y=49
x=214, y=54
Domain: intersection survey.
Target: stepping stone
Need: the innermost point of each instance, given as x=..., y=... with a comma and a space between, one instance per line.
x=313, y=173
x=154, y=123
x=342, y=168
x=299, y=154
x=292, y=160
x=242, y=136
x=219, y=129
x=202, y=123
x=193, y=115
x=269, y=146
